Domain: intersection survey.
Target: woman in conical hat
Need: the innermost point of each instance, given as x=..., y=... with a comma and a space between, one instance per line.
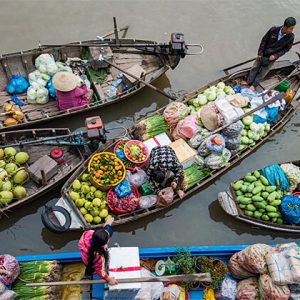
x=68, y=93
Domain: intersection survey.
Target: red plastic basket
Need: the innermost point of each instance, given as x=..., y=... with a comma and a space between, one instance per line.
x=125, y=160
x=115, y=210
x=141, y=145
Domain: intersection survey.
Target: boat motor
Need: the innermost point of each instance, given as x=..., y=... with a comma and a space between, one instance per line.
x=178, y=45
x=95, y=130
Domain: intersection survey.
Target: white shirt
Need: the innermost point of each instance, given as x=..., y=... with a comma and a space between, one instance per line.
x=280, y=34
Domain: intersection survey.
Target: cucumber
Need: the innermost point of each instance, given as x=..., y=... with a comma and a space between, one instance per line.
x=251, y=207
x=271, y=188
x=265, y=195
x=256, y=190
x=270, y=208
x=242, y=206
x=272, y=196
x=236, y=186
x=264, y=180
x=245, y=200
x=257, y=198
x=265, y=217
x=259, y=205
x=275, y=202
x=256, y=174
x=273, y=214
x=239, y=193
x=257, y=214
x=249, y=213
x=250, y=178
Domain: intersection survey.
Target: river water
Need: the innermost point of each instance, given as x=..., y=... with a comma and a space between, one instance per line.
x=230, y=32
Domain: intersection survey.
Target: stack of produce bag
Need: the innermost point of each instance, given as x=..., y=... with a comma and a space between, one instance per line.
x=174, y=112
x=232, y=135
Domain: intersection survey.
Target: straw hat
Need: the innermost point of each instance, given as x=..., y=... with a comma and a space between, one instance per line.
x=209, y=118
x=64, y=81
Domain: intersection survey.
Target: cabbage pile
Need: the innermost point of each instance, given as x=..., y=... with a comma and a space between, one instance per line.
x=210, y=94
x=12, y=175
x=252, y=132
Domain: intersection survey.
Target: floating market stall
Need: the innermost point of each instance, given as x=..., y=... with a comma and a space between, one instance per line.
x=210, y=130
x=237, y=272
x=268, y=197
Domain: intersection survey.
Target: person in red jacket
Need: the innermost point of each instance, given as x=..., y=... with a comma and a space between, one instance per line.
x=275, y=43
x=94, y=251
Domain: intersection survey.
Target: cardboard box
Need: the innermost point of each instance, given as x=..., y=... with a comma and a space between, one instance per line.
x=183, y=151
x=124, y=262
x=158, y=140
x=136, y=70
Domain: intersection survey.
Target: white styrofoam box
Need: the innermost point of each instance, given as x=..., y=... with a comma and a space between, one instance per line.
x=159, y=140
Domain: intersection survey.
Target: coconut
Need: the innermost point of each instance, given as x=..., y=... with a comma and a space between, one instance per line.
x=21, y=157
x=21, y=176
x=10, y=151
x=19, y=192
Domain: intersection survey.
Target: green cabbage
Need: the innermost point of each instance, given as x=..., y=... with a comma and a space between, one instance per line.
x=247, y=120
x=221, y=85
x=201, y=99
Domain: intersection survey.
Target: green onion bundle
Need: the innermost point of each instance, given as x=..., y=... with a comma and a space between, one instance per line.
x=150, y=127
x=193, y=175
x=37, y=271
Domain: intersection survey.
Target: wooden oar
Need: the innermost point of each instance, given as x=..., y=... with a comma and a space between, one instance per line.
x=140, y=80
x=245, y=62
x=177, y=278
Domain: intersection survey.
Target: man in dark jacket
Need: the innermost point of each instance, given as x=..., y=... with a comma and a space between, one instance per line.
x=276, y=42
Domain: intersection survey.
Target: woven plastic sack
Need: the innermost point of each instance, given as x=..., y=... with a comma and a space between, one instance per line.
x=212, y=146
x=123, y=189
x=290, y=209
x=196, y=140
x=174, y=112
x=232, y=143
x=17, y=85
x=247, y=289
x=136, y=177
x=233, y=130
x=202, y=149
x=236, y=266
x=11, y=267
x=276, y=176
x=270, y=291
x=255, y=258
x=217, y=161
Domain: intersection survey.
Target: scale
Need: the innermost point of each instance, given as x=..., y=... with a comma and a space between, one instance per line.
x=163, y=268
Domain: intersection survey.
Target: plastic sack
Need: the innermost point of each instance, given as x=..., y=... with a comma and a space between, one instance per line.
x=215, y=143
x=8, y=295
x=292, y=173
x=174, y=112
x=209, y=294
x=10, y=264
x=196, y=140
x=247, y=289
x=42, y=95
x=165, y=197
x=236, y=266
x=149, y=290
x=136, y=177
x=51, y=89
x=148, y=201
x=170, y=293
x=283, y=266
x=290, y=209
x=63, y=67
x=238, y=100
x=45, y=63
x=176, y=134
x=276, y=176
x=269, y=290
x=189, y=126
x=232, y=143
x=228, y=111
x=17, y=85
x=233, y=130
x=295, y=291
x=38, y=77
x=228, y=290
x=217, y=161
x=202, y=149
x=123, y=189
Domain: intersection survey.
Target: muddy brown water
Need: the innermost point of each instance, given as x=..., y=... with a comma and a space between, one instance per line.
x=230, y=32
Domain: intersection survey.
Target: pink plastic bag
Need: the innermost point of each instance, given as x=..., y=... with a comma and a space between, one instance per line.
x=165, y=197
x=190, y=126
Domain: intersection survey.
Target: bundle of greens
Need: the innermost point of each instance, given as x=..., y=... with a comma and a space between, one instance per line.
x=37, y=271
x=193, y=175
x=150, y=127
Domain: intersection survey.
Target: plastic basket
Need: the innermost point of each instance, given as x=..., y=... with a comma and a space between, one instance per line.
x=106, y=187
x=116, y=210
x=141, y=145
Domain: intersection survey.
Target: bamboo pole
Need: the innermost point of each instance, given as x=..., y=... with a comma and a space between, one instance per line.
x=200, y=277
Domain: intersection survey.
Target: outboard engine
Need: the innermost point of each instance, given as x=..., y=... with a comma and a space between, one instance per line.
x=178, y=44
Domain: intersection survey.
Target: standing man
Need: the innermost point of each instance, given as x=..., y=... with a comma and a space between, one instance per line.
x=276, y=42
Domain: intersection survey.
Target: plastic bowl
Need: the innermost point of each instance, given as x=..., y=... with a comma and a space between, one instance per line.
x=116, y=210
x=106, y=187
x=141, y=146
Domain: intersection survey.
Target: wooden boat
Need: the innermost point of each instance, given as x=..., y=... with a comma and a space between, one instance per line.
x=72, y=160
x=152, y=58
x=96, y=291
x=228, y=202
x=280, y=70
